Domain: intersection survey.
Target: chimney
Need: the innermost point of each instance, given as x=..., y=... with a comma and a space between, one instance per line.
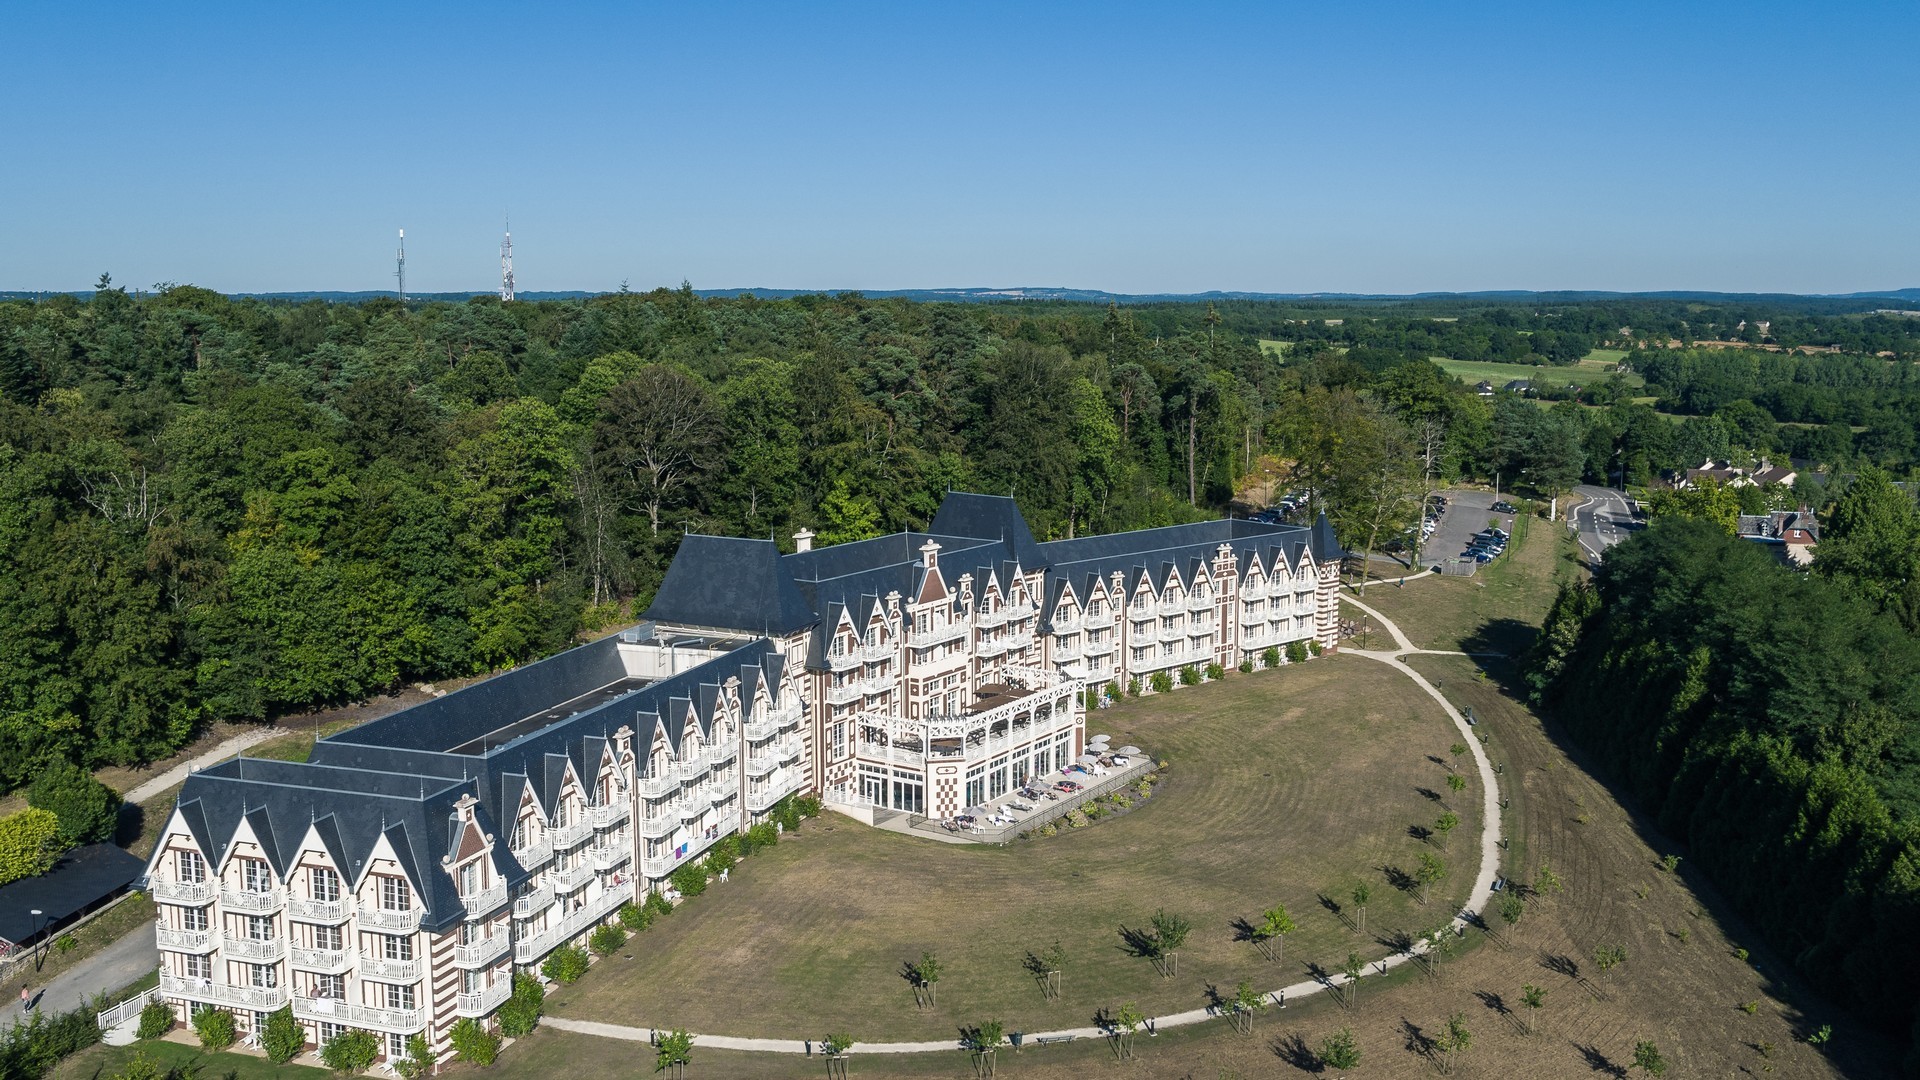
x=930, y=553
x=803, y=540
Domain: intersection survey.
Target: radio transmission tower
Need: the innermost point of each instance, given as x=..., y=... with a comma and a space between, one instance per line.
x=400, y=269
x=506, y=265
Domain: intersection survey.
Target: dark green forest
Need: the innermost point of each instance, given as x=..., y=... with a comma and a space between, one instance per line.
x=219, y=508
x=1770, y=720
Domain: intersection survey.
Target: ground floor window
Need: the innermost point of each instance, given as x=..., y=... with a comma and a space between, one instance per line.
x=873, y=785
x=325, y=1033
x=976, y=785
x=997, y=778
x=396, y=1046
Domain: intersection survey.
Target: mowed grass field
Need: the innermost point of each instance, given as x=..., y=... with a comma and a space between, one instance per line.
x=1282, y=787
x=1591, y=368
x=1498, y=609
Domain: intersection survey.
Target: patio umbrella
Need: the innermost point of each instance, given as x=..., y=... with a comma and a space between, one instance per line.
x=1089, y=759
x=974, y=811
x=1129, y=749
x=1099, y=738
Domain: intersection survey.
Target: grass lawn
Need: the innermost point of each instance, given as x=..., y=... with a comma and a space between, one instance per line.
x=1497, y=610
x=104, y=1061
x=1283, y=787
x=1591, y=368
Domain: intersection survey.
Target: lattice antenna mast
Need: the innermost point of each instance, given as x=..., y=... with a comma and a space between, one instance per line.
x=400, y=269
x=506, y=265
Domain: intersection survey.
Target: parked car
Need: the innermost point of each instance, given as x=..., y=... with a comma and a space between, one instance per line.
x=1504, y=507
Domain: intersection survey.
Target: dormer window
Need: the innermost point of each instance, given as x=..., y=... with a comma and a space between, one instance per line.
x=255, y=877
x=394, y=894
x=192, y=868
x=324, y=883
x=470, y=879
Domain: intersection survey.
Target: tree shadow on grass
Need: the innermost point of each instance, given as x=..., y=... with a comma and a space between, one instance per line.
x=1499, y=1005
x=1418, y=1042
x=1600, y=1062
x=1333, y=908
x=1428, y=793
x=1400, y=879
x=1294, y=1051
x=127, y=827
x=1139, y=944
x=1420, y=833
x=1508, y=637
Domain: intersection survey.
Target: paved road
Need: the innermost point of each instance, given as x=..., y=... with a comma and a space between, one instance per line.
x=1603, y=520
x=178, y=774
x=111, y=968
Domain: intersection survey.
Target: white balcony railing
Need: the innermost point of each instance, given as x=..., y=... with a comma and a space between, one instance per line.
x=653, y=787
x=757, y=730
x=838, y=660
x=607, y=856
x=534, y=857
x=762, y=763
x=533, y=903
x=870, y=653
x=720, y=755
x=482, y=952
x=1067, y=623
x=845, y=693
x=1200, y=602
x=879, y=684
x=320, y=911
x=530, y=949
x=328, y=960
x=385, y=970
x=263, y=998
x=937, y=635
x=389, y=920
x=572, y=834
x=565, y=879
x=1066, y=655
x=329, y=1011
x=485, y=901
x=186, y=941
x=987, y=650
x=1099, y=648
x=659, y=866
x=1175, y=606
x=181, y=892
x=659, y=828
x=606, y=814
x=240, y=900
x=484, y=1002
x=239, y=948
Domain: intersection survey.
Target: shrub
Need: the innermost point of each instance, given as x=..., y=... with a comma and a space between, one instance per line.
x=720, y=859
x=29, y=844
x=1049, y=829
x=284, y=1038
x=808, y=805
x=1076, y=819
x=606, y=939
x=1095, y=811
x=1144, y=787
x=763, y=835
x=419, y=1060
x=1133, y=687
x=658, y=904
x=565, y=964
x=142, y=1067
x=521, y=1013
x=351, y=1052
x=156, y=1019
x=214, y=1027
x=88, y=809
x=635, y=917
x=1296, y=652
x=1113, y=691
x=1271, y=658
x=1215, y=672
x=1121, y=801
x=690, y=879
x=1161, y=682
x=1246, y=666
x=474, y=1043
x=66, y=943
x=786, y=813
x=1189, y=675
x=1313, y=646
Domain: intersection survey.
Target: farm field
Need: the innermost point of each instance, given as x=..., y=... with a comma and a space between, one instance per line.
x=1593, y=367
x=1283, y=787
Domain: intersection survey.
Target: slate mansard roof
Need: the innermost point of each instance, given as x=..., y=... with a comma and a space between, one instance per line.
x=402, y=775
x=745, y=585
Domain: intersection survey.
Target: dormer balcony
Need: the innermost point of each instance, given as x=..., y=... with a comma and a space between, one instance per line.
x=485, y=902
x=606, y=814
x=255, y=902
x=921, y=639
x=184, y=892
x=838, y=660
x=653, y=787
x=571, y=834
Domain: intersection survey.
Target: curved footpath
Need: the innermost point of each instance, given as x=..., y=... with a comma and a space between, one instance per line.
x=1476, y=902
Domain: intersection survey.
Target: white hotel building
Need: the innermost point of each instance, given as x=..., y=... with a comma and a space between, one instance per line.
x=396, y=880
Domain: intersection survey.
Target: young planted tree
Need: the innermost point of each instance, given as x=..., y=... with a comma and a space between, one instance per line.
x=1126, y=1023
x=1533, y=997
x=1646, y=1058
x=1608, y=957
x=1054, y=962
x=1547, y=883
x=924, y=975
x=1445, y=825
x=1169, y=934
x=1511, y=909
x=834, y=1048
x=1361, y=894
x=1453, y=1040
x=983, y=1041
x=1245, y=1003
x=1270, y=935
x=1456, y=783
x=673, y=1050
x=1351, y=969
x=1428, y=874
x=1339, y=1051
x=1457, y=749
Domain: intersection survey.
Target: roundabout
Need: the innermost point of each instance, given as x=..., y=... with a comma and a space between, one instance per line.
x=1287, y=787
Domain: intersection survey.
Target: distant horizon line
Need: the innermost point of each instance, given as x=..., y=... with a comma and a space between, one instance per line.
x=1020, y=292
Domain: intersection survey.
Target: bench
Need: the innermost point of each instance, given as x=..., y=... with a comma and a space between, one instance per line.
x=1049, y=1040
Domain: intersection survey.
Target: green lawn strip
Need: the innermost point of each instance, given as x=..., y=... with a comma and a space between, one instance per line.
x=1498, y=609
x=109, y=926
x=107, y=1061
x=1252, y=811
x=1593, y=368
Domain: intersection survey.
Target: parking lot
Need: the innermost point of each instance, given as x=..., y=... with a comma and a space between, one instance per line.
x=1467, y=513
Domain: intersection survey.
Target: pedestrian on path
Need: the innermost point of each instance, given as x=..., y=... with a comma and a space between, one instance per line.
x=26, y=998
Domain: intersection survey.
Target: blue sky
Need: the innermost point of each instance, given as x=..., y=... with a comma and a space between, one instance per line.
x=1136, y=148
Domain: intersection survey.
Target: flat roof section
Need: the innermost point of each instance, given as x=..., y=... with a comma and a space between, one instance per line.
x=567, y=709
